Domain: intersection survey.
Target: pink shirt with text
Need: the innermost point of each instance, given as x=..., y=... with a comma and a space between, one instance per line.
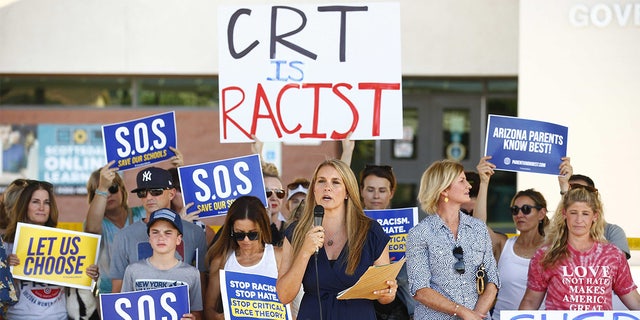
x=584, y=281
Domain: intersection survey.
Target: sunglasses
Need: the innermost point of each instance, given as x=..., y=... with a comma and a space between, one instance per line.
x=458, y=254
x=582, y=186
x=114, y=189
x=239, y=236
x=294, y=185
x=279, y=193
x=526, y=209
x=143, y=193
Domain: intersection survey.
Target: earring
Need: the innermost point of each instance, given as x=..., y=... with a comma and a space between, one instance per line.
x=446, y=199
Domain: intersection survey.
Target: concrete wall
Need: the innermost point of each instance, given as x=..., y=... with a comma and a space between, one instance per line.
x=439, y=38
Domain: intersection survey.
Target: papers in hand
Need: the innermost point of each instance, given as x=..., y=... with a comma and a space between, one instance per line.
x=374, y=279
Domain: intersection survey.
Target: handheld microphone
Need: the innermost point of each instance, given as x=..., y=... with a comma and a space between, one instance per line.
x=318, y=214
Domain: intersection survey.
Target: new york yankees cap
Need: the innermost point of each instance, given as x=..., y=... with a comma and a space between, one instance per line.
x=153, y=178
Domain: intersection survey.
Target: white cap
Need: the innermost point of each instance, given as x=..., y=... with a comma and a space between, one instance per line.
x=298, y=189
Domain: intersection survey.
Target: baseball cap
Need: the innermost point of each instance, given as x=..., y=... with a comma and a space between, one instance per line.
x=167, y=215
x=153, y=178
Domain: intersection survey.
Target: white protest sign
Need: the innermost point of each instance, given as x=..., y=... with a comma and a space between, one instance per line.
x=310, y=72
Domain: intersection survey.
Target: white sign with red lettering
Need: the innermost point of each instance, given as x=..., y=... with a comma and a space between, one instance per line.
x=310, y=72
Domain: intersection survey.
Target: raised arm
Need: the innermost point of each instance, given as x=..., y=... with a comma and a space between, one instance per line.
x=178, y=159
x=347, y=149
x=566, y=171
x=93, y=221
x=256, y=146
x=485, y=171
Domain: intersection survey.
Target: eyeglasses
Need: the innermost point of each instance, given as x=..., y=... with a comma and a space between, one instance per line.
x=143, y=193
x=582, y=186
x=239, y=236
x=458, y=254
x=526, y=209
x=294, y=185
x=114, y=189
x=279, y=193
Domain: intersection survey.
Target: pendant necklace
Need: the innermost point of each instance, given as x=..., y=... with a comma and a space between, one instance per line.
x=330, y=241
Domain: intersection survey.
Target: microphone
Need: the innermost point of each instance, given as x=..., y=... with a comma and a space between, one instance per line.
x=318, y=214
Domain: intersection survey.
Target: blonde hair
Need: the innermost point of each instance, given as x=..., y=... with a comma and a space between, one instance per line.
x=357, y=223
x=92, y=186
x=558, y=234
x=270, y=170
x=437, y=178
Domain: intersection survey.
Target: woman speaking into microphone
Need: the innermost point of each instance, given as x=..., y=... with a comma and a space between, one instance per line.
x=347, y=243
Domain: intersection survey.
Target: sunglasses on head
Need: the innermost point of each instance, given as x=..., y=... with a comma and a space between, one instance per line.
x=279, y=193
x=239, y=236
x=458, y=254
x=582, y=186
x=143, y=193
x=526, y=209
x=30, y=182
x=373, y=167
x=294, y=185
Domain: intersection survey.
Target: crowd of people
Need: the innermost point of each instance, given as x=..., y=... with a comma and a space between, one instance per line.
x=457, y=267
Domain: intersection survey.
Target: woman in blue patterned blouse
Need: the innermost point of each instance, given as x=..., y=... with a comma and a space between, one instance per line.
x=446, y=249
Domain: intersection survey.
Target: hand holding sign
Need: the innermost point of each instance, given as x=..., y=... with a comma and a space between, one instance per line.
x=525, y=145
x=142, y=141
x=213, y=186
x=54, y=256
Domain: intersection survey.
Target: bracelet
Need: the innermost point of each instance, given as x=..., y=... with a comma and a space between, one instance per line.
x=455, y=312
x=102, y=193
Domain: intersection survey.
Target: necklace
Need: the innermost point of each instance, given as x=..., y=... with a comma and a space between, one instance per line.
x=330, y=241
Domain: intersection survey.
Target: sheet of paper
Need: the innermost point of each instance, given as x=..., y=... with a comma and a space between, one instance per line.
x=372, y=280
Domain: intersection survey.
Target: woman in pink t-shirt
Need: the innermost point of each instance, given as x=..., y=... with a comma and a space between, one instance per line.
x=577, y=268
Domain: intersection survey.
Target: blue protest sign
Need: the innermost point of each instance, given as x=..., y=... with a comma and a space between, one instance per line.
x=213, y=186
x=140, y=142
x=251, y=296
x=396, y=223
x=525, y=145
x=165, y=303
